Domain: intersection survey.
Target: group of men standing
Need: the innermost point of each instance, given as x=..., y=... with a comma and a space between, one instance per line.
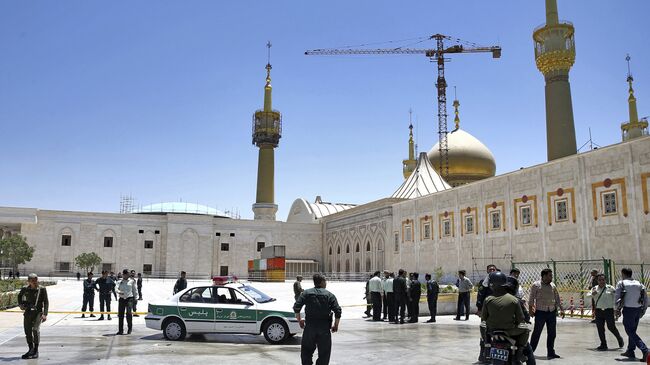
x=128, y=286
x=398, y=298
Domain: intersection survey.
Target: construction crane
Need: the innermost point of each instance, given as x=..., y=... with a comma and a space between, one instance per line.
x=435, y=55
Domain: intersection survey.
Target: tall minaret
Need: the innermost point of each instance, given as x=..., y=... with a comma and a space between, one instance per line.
x=408, y=166
x=634, y=127
x=554, y=55
x=267, y=130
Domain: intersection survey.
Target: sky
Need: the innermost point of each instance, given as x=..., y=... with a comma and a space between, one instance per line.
x=155, y=98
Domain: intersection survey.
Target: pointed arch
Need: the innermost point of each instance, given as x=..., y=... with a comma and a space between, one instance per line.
x=347, y=248
x=330, y=250
x=357, y=248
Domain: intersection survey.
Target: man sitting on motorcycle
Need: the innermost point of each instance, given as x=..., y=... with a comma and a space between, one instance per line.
x=502, y=311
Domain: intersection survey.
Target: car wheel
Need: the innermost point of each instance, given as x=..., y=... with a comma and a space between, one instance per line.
x=174, y=330
x=276, y=331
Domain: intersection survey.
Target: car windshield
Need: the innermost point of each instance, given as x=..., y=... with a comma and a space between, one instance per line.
x=256, y=294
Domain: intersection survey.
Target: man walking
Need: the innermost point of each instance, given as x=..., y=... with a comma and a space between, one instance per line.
x=297, y=287
x=319, y=305
x=464, y=291
x=384, y=299
x=127, y=290
x=89, y=295
x=181, y=283
x=106, y=286
x=415, y=292
x=389, y=296
x=432, y=296
x=376, y=293
x=543, y=304
x=401, y=296
x=633, y=299
x=32, y=299
x=603, y=297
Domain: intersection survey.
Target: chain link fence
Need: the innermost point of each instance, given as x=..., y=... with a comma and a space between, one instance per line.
x=572, y=278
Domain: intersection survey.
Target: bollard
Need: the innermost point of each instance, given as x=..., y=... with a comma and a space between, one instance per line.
x=582, y=307
x=571, y=307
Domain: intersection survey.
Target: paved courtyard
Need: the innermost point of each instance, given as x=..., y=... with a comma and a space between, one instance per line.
x=68, y=339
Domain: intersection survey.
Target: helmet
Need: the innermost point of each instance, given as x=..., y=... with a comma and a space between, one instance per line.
x=497, y=279
x=511, y=285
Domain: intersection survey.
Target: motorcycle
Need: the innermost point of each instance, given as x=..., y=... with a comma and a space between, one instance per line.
x=501, y=349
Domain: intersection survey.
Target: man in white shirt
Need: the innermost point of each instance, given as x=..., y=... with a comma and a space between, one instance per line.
x=128, y=292
x=376, y=294
x=603, y=299
x=632, y=301
x=389, y=298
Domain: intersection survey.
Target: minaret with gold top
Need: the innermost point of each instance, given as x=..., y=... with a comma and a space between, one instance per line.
x=408, y=166
x=554, y=55
x=634, y=127
x=267, y=131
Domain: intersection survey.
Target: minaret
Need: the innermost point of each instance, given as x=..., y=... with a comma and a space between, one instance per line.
x=554, y=55
x=267, y=130
x=634, y=127
x=408, y=166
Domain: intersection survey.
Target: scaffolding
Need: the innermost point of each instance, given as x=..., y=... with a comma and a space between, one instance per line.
x=127, y=204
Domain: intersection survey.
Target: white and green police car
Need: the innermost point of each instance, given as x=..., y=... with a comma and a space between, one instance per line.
x=231, y=308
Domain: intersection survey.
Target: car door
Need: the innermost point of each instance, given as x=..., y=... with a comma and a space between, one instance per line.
x=234, y=312
x=197, y=308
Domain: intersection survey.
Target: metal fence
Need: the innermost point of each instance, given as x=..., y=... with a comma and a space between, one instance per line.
x=572, y=279
x=640, y=272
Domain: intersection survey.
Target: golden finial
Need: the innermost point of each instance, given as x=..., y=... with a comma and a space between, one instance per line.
x=456, y=105
x=267, y=87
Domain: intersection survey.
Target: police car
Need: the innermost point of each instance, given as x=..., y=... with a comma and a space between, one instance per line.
x=236, y=308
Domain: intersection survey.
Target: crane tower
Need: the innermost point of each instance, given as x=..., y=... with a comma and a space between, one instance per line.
x=436, y=55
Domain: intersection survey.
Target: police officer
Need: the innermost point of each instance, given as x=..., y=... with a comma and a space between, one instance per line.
x=319, y=305
x=135, y=298
x=415, y=291
x=181, y=283
x=127, y=290
x=106, y=286
x=297, y=287
x=33, y=300
x=502, y=311
x=89, y=295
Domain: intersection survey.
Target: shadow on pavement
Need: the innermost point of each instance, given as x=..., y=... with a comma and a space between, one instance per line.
x=223, y=338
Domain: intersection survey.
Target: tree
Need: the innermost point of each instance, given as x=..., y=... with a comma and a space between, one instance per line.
x=15, y=251
x=87, y=261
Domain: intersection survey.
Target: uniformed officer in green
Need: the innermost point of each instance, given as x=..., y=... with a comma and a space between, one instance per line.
x=319, y=306
x=33, y=300
x=502, y=311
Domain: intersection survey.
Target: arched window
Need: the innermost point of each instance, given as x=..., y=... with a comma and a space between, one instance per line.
x=368, y=246
x=330, y=250
x=338, y=250
x=357, y=249
x=347, y=249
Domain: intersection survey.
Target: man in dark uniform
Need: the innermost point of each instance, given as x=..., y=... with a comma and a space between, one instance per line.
x=415, y=291
x=502, y=311
x=33, y=300
x=181, y=283
x=139, y=282
x=89, y=295
x=401, y=296
x=368, y=298
x=484, y=291
x=319, y=306
x=135, y=298
x=106, y=286
x=297, y=287
x=433, y=289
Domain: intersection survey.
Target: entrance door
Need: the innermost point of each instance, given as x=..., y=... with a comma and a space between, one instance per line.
x=234, y=312
x=197, y=308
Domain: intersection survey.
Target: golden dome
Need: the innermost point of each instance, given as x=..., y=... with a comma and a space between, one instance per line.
x=469, y=159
